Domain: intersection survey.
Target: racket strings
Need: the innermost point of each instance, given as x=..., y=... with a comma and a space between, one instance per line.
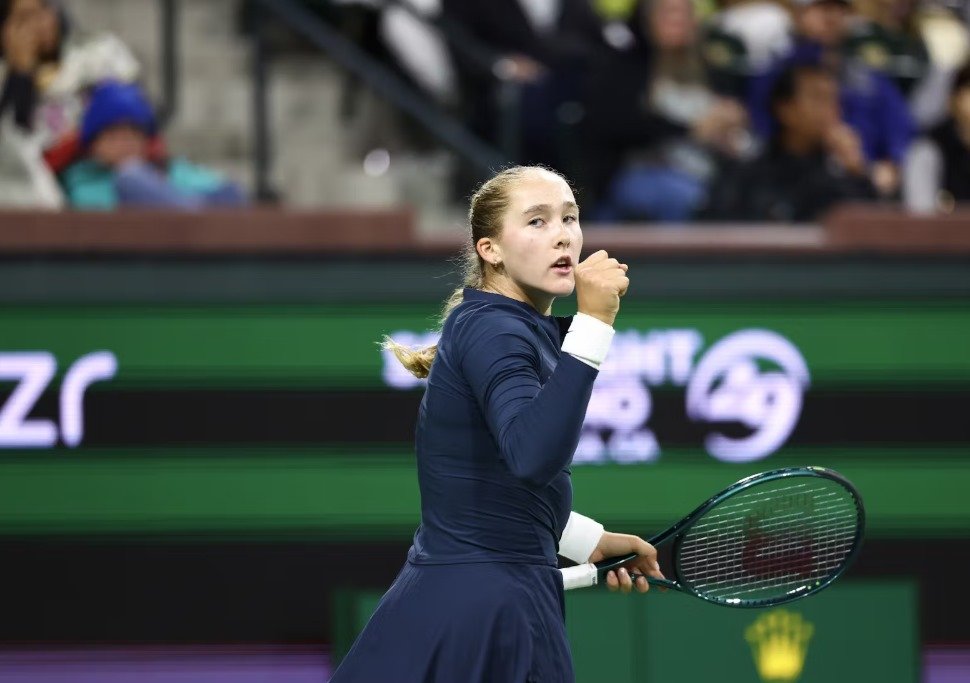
x=781, y=521
x=778, y=570
x=775, y=571
x=771, y=540
x=701, y=565
x=724, y=538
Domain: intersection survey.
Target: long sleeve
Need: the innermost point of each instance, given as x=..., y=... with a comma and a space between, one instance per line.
x=536, y=426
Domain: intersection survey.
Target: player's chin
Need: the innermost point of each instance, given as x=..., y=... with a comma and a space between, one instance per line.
x=561, y=285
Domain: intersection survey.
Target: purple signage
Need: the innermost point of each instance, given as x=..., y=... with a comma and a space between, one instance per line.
x=203, y=664
x=946, y=665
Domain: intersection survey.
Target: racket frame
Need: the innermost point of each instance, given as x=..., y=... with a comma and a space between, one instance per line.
x=678, y=531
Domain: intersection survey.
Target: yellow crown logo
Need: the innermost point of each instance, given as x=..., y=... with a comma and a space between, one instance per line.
x=779, y=642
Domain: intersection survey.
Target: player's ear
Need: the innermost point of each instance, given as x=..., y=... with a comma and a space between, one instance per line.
x=489, y=250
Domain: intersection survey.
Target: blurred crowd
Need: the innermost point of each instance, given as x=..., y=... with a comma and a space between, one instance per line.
x=658, y=110
x=76, y=128
x=740, y=110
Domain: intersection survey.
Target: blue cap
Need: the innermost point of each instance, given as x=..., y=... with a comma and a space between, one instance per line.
x=116, y=103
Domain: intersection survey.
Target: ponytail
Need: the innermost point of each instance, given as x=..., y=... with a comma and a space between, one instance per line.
x=418, y=361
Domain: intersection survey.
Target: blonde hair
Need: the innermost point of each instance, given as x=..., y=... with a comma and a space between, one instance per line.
x=486, y=209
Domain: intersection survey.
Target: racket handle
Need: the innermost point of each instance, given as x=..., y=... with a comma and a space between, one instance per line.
x=589, y=574
x=604, y=566
x=663, y=583
x=580, y=576
x=585, y=575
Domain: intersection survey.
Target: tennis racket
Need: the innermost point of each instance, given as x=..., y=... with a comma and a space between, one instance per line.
x=769, y=539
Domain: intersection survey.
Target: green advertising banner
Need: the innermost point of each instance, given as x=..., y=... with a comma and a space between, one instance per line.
x=358, y=497
x=842, y=342
x=853, y=631
x=257, y=418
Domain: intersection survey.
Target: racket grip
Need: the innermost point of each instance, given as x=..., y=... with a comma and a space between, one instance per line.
x=580, y=576
x=589, y=574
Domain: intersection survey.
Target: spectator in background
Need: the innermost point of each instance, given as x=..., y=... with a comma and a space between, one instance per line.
x=938, y=168
x=812, y=162
x=763, y=27
x=654, y=123
x=885, y=37
x=125, y=163
x=518, y=62
x=45, y=73
x=871, y=104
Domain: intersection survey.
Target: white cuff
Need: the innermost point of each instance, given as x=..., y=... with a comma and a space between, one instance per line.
x=588, y=339
x=580, y=576
x=580, y=537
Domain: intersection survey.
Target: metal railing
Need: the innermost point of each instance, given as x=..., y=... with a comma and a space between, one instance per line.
x=168, y=39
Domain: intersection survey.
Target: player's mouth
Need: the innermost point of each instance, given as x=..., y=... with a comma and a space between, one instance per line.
x=563, y=265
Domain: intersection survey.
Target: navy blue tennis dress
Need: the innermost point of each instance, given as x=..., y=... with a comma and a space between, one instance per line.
x=480, y=598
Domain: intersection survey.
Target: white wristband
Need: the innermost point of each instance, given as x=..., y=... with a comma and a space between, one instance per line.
x=588, y=339
x=580, y=537
x=580, y=576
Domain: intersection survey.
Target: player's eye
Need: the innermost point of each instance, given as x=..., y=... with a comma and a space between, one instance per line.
x=537, y=222
x=570, y=218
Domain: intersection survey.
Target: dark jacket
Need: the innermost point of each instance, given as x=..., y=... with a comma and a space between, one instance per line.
x=496, y=432
x=778, y=186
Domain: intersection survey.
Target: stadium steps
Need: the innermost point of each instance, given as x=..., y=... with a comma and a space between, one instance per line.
x=317, y=158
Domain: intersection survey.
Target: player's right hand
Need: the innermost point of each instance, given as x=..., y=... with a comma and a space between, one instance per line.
x=644, y=565
x=600, y=282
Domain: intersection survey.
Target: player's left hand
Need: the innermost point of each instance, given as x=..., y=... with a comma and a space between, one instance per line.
x=614, y=545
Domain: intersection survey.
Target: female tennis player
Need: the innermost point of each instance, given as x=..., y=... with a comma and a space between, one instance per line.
x=480, y=598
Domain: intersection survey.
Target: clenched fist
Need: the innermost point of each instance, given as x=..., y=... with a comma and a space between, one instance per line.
x=600, y=282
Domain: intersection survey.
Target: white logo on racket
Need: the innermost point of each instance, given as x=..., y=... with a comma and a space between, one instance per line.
x=728, y=386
